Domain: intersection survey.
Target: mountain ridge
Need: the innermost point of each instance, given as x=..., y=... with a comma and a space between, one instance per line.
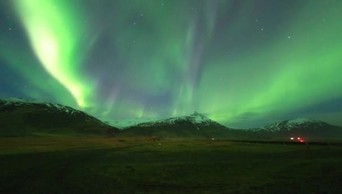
x=195, y=118
x=300, y=122
x=19, y=117
x=195, y=125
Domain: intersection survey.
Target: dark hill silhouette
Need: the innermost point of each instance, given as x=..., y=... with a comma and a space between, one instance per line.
x=22, y=118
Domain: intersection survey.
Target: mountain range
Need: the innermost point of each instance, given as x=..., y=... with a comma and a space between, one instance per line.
x=198, y=125
x=20, y=117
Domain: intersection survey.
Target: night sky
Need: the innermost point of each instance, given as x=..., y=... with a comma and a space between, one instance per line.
x=242, y=63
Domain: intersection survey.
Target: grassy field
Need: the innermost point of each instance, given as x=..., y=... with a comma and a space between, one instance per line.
x=141, y=165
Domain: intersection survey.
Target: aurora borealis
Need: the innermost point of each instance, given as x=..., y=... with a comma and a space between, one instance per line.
x=242, y=63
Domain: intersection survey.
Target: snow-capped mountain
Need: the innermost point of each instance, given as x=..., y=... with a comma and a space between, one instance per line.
x=305, y=127
x=24, y=117
x=195, y=125
x=296, y=124
x=196, y=119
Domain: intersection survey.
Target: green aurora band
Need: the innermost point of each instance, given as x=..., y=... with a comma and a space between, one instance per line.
x=138, y=59
x=54, y=38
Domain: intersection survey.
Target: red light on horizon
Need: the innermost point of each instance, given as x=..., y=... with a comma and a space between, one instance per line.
x=297, y=139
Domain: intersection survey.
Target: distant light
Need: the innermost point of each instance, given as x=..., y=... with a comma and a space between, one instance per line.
x=297, y=139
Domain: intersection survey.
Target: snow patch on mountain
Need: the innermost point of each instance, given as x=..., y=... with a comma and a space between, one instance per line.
x=299, y=121
x=196, y=118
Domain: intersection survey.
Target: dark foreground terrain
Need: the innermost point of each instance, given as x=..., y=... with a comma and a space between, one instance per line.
x=143, y=165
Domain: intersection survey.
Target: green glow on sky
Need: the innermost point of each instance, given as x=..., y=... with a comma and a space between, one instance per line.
x=236, y=61
x=300, y=70
x=54, y=38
